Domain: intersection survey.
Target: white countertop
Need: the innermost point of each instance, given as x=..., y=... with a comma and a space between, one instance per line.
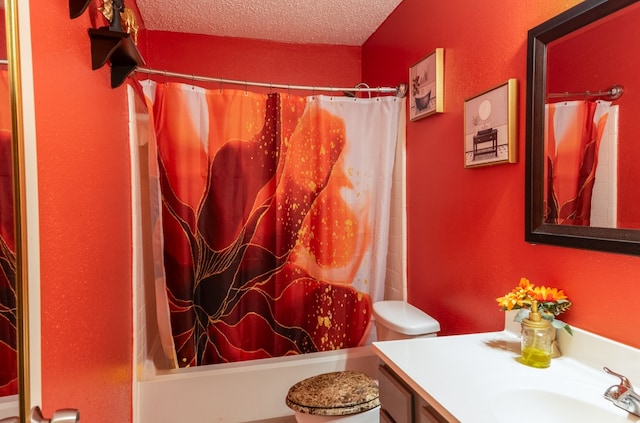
x=477, y=377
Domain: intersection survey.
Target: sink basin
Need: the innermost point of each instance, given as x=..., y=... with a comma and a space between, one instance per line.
x=534, y=406
x=566, y=392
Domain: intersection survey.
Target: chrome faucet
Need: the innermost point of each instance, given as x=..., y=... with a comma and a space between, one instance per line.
x=623, y=394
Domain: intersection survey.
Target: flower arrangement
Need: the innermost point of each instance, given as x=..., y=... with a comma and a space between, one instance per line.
x=551, y=302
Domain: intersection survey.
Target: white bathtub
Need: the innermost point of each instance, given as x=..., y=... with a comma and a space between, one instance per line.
x=251, y=391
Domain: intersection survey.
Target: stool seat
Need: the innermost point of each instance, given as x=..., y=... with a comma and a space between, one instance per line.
x=334, y=394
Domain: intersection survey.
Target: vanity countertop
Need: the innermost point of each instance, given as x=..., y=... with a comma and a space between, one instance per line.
x=477, y=377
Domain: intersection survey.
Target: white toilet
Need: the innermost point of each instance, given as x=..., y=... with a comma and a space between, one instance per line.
x=351, y=396
x=401, y=320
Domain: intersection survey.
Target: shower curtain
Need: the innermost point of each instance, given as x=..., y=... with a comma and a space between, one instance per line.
x=8, y=302
x=574, y=131
x=273, y=218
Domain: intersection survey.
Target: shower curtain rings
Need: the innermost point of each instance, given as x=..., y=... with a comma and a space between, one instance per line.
x=221, y=82
x=246, y=92
x=361, y=85
x=166, y=83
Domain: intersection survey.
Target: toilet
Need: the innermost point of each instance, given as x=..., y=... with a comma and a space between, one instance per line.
x=352, y=396
x=401, y=320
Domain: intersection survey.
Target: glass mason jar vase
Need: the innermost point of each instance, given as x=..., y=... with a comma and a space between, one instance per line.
x=537, y=340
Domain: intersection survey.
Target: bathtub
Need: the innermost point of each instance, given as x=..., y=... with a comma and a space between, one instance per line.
x=252, y=391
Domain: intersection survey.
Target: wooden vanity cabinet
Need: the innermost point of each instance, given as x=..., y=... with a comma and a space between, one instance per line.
x=396, y=399
x=400, y=404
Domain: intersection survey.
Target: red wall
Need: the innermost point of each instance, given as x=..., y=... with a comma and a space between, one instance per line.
x=466, y=226
x=85, y=243
x=252, y=60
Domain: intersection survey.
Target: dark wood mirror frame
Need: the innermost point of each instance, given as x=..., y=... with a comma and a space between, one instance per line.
x=626, y=241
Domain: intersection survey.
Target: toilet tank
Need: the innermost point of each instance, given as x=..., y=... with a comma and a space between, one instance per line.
x=401, y=320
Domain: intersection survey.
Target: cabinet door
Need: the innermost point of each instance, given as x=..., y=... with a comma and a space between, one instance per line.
x=425, y=413
x=384, y=417
x=396, y=399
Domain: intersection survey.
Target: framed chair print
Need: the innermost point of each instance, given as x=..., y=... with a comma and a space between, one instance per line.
x=490, y=126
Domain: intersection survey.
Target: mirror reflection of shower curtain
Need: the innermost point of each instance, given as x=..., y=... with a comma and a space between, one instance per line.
x=8, y=302
x=274, y=218
x=572, y=139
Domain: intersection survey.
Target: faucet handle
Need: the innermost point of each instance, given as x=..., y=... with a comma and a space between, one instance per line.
x=623, y=395
x=65, y=415
x=623, y=380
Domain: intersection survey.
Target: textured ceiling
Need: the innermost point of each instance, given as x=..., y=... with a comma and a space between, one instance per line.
x=339, y=22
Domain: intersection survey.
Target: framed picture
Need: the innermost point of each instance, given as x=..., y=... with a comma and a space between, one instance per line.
x=490, y=126
x=426, y=80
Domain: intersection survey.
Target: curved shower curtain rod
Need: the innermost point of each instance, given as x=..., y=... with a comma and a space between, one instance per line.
x=399, y=91
x=614, y=92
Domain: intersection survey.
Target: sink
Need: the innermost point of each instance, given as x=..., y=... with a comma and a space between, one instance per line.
x=566, y=392
x=534, y=406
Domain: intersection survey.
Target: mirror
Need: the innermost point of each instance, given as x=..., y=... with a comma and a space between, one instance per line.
x=8, y=298
x=558, y=72
x=13, y=287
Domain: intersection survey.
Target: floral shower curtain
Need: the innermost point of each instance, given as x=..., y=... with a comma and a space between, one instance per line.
x=8, y=303
x=574, y=131
x=274, y=214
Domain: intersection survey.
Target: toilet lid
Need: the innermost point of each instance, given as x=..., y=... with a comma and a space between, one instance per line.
x=404, y=318
x=334, y=394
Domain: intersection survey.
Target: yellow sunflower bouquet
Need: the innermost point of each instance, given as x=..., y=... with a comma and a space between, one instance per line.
x=551, y=302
